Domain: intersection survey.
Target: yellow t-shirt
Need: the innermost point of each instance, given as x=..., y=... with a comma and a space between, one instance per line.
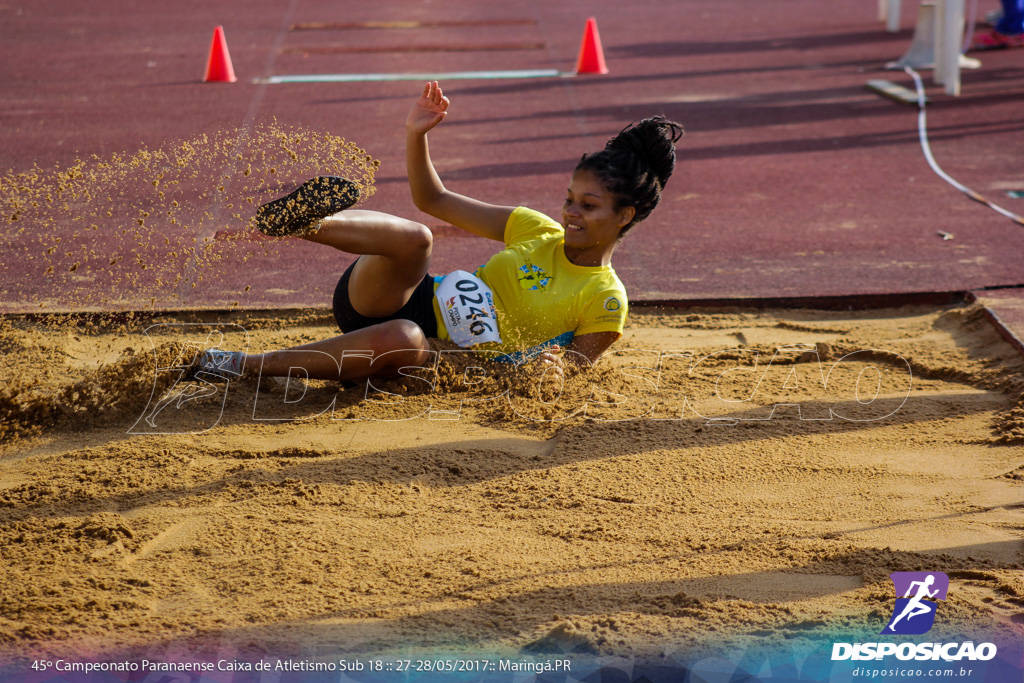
x=541, y=297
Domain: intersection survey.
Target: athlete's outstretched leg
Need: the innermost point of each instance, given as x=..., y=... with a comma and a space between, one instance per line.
x=376, y=350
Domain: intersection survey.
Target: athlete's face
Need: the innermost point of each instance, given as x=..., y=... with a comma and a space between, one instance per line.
x=591, y=221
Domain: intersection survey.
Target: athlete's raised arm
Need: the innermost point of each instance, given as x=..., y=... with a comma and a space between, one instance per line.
x=428, y=192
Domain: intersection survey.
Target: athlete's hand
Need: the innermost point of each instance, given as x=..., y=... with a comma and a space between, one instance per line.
x=549, y=360
x=428, y=111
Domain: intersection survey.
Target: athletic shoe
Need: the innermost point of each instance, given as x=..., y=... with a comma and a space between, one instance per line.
x=994, y=40
x=221, y=363
x=300, y=212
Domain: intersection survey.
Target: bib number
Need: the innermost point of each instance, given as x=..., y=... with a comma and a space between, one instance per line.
x=467, y=305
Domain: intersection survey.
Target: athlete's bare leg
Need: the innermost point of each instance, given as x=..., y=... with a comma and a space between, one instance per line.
x=389, y=345
x=394, y=257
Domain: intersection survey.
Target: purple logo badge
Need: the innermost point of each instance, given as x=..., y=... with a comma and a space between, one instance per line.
x=914, y=612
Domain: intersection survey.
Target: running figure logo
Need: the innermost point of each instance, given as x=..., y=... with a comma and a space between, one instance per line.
x=914, y=613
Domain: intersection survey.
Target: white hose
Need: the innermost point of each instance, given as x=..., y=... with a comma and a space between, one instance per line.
x=923, y=134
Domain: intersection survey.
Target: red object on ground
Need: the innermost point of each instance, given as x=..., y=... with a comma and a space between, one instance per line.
x=994, y=40
x=591, y=59
x=218, y=64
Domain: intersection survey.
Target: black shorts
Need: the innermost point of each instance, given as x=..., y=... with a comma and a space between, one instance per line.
x=419, y=308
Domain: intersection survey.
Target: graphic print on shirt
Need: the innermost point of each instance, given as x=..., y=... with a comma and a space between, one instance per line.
x=533, y=277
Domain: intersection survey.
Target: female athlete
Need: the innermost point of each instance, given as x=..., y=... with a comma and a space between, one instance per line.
x=551, y=288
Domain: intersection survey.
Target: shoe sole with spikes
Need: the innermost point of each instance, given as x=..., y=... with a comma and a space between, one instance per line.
x=299, y=212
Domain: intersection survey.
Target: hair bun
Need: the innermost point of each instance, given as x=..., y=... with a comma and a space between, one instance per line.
x=652, y=141
x=635, y=165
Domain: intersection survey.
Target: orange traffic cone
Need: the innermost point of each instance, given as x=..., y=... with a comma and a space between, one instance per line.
x=591, y=59
x=218, y=65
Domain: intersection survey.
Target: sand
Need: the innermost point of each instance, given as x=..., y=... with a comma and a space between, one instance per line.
x=664, y=518
x=146, y=230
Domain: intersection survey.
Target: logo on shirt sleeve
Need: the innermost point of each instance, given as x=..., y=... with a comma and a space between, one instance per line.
x=613, y=312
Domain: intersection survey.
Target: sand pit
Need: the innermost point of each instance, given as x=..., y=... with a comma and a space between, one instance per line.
x=671, y=517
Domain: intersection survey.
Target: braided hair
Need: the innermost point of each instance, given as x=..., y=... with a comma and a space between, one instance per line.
x=635, y=165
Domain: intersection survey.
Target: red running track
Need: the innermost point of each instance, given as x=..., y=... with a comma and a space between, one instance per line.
x=794, y=181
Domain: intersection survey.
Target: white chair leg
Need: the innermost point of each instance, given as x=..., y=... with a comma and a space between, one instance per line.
x=939, y=74
x=921, y=53
x=892, y=16
x=953, y=26
x=949, y=32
